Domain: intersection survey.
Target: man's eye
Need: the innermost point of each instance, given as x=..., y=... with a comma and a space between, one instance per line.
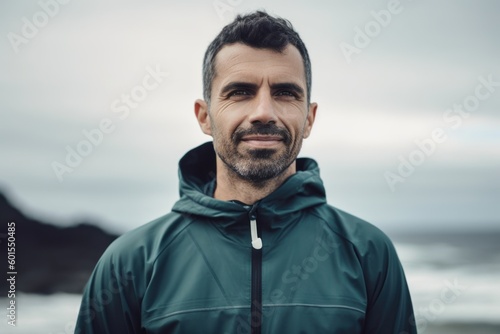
x=238, y=93
x=286, y=93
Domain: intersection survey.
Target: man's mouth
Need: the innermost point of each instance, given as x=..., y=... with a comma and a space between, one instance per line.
x=262, y=140
x=262, y=136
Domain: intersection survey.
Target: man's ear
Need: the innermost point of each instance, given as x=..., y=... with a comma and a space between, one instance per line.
x=311, y=116
x=201, y=112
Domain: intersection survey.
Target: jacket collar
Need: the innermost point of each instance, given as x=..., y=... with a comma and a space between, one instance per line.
x=302, y=190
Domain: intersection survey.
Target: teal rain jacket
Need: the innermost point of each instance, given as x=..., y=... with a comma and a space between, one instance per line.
x=194, y=270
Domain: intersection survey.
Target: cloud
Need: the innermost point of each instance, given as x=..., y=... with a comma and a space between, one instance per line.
x=371, y=111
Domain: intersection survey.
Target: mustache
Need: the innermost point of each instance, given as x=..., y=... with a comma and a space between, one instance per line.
x=262, y=129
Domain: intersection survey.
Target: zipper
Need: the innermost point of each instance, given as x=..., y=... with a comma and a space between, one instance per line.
x=256, y=294
x=256, y=241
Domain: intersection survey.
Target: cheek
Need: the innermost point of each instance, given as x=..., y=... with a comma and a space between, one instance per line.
x=297, y=128
x=224, y=125
x=222, y=129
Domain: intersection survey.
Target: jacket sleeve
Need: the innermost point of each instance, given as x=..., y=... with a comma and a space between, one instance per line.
x=389, y=309
x=110, y=303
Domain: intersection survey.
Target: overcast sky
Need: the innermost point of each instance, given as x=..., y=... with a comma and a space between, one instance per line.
x=386, y=76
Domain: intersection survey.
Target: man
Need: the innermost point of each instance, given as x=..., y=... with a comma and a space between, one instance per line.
x=251, y=246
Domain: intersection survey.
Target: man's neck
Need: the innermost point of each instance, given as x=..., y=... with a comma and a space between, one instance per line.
x=231, y=186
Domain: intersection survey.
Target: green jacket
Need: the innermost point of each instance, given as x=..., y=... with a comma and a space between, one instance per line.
x=194, y=270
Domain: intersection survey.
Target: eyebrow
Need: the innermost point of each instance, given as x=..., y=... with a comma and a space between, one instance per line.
x=236, y=85
x=288, y=86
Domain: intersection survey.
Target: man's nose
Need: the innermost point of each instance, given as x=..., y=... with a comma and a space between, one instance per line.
x=264, y=110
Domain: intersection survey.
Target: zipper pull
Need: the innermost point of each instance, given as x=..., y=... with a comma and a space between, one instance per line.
x=256, y=241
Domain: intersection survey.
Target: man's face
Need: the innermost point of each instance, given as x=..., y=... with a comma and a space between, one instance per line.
x=259, y=114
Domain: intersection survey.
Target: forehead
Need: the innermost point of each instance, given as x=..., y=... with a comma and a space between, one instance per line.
x=242, y=62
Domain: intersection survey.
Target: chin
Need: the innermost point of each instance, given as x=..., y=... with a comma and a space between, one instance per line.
x=262, y=153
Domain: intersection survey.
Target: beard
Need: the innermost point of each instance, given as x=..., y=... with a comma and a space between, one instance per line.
x=262, y=164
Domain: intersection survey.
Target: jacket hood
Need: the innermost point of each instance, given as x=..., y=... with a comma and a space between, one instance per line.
x=197, y=175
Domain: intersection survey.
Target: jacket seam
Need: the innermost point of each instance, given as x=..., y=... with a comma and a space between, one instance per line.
x=209, y=266
x=358, y=256
x=206, y=309
x=160, y=252
x=314, y=213
x=316, y=305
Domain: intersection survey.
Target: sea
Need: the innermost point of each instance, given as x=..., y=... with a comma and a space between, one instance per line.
x=454, y=280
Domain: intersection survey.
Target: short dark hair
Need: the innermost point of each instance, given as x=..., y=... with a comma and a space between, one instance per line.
x=258, y=30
